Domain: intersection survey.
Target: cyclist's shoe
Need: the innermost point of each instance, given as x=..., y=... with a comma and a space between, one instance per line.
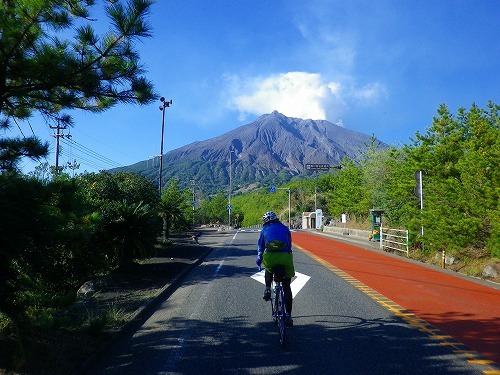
x=289, y=322
x=267, y=294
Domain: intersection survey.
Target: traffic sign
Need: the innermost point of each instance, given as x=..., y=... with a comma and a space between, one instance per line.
x=229, y=207
x=318, y=167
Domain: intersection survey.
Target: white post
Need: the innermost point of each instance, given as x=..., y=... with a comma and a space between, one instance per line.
x=407, y=247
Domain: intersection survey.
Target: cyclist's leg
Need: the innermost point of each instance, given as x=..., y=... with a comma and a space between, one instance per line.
x=268, y=277
x=287, y=290
x=268, y=264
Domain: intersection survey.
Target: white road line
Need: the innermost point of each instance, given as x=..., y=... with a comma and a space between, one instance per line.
x=176, y=353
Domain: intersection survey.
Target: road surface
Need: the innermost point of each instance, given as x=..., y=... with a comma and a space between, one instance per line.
x=216, y=322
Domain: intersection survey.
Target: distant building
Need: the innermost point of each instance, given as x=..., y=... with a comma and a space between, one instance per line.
x=312, y=220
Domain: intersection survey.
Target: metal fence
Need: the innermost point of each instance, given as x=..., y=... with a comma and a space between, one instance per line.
x=394, y=239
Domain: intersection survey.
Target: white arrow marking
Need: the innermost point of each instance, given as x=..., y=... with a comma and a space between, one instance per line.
x=297, y=283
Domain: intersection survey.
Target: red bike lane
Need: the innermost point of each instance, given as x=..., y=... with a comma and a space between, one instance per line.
x=463, y=309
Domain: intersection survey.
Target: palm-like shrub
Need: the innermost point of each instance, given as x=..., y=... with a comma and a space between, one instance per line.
x=132, y=232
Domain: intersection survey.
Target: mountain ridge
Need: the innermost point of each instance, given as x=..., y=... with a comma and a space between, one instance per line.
x=273, y=148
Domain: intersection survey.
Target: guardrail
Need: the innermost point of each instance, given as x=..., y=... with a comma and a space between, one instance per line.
x=394, y=239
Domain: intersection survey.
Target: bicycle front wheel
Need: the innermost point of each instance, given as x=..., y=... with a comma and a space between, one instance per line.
x=274, y=305
x=280, y=315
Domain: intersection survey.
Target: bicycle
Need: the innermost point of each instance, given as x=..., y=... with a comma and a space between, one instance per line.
x=278, y=302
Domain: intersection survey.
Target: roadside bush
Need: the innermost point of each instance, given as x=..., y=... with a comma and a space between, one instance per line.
x=133, y=232
x=121, y=208
x=57, y=233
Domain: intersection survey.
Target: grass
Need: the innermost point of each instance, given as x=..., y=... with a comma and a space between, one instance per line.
x=470, y=263
x=95, y=324
x=58, y=332
x=55, y=335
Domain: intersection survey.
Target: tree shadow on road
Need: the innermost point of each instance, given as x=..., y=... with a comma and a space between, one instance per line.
x=332, y=344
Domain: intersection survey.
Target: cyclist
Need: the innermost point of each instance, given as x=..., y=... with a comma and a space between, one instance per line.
x=275, y=248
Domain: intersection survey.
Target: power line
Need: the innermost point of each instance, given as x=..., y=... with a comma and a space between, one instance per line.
x=95, y=157
x=96, y=160
x=19, y=127
x=26, y=162
x=83, y=154
x=82, y=160
x=102, y=143
x=90, y=153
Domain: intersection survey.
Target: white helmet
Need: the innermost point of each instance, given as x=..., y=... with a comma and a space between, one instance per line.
x=269, y=216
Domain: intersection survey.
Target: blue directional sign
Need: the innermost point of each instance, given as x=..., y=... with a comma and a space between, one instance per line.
x=229, y=207
x=272, y=189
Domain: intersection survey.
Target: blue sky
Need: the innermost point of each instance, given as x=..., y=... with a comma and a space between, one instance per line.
x=376, y=67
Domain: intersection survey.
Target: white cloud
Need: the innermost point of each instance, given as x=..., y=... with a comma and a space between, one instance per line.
x=370, y=93
x=297, y=94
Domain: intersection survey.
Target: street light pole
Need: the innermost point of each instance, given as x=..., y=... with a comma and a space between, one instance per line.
x=163, y=106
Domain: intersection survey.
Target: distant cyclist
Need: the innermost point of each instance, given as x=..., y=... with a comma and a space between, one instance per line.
x=275, y=248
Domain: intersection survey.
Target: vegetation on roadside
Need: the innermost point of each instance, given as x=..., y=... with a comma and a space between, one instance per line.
x=58, y=231
x=459, y=156
x=61, y=232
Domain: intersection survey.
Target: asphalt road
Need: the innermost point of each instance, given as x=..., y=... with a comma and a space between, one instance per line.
x=216, y=322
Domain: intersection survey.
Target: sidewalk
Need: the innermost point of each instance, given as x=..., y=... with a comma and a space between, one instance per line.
x=464, y=308
x=190, y=251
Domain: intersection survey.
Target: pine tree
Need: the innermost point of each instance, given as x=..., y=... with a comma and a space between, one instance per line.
x=44, y=71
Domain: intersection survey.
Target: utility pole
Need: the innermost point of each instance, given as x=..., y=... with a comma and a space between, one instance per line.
x=419, y=192
x=315, y=199
x=229, y=207
x=273, y=189
x=289, y=210
x=58, y=135
x=163, y=106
